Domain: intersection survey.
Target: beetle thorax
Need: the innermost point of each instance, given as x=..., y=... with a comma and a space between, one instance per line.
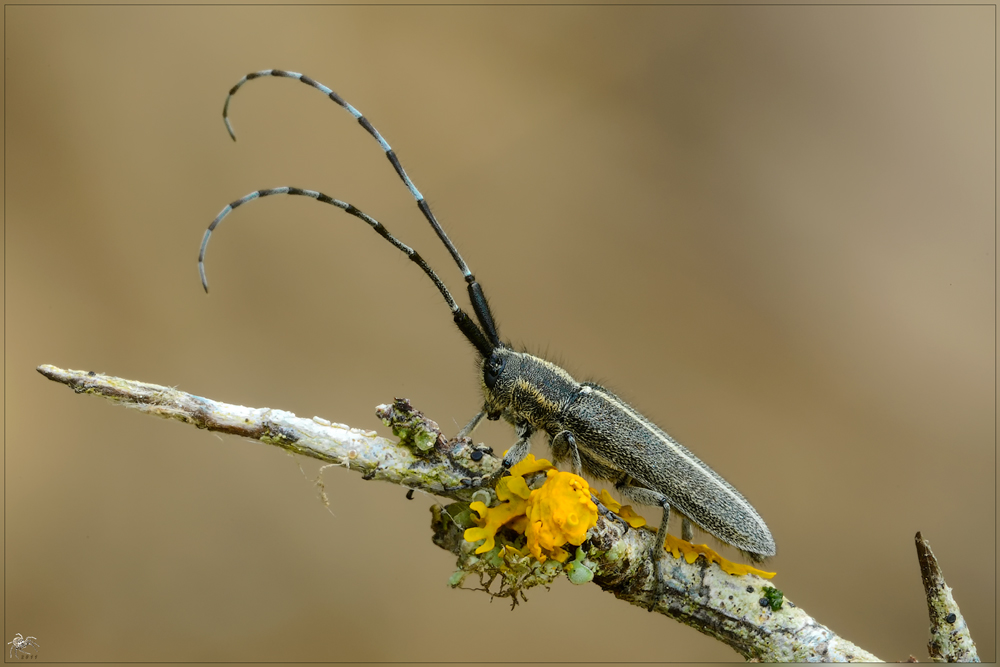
x=524, y=388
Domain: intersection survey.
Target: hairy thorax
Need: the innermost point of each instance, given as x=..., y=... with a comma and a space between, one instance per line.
x=536, y=392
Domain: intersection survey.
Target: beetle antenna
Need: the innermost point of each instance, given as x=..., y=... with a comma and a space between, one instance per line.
x=469, y=328
x=479, y=304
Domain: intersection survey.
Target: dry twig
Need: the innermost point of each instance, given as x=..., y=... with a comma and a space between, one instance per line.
x=950, y=639
x=736, y=610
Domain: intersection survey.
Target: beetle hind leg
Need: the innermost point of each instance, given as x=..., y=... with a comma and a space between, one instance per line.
x=687, y=530
x=645, y=496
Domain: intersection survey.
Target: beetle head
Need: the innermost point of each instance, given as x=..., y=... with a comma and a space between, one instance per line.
x=498, y=377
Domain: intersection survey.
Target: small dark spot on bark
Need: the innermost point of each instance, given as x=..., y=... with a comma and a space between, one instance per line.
x=409, y=494
x=764, y=602
x=730, y=597
x=476, y=455
x=91, y=373
x=951, y=618
x=749, y=589
x=369, y=475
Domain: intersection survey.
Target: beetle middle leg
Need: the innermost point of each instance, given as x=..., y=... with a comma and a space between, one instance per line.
x=564, y=447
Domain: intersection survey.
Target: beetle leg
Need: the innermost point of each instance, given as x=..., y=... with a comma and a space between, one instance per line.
x=516, y=453
x=605, y=512
x=687, y=532
x=645, y=496
x=471, y=426
x=513, y=456
x=564, y=447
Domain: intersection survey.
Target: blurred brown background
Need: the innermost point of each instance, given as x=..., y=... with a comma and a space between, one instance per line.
x=771, y=228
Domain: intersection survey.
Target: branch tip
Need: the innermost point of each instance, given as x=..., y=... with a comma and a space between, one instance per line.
x=950, y=640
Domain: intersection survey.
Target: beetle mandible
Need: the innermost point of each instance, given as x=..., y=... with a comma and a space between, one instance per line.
x=597, y=432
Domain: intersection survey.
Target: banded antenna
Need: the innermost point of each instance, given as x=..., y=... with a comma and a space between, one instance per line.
x=476, y=295
x=464, y=322
x=486, y=339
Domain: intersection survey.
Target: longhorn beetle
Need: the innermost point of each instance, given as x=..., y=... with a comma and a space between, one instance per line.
x=592, y=428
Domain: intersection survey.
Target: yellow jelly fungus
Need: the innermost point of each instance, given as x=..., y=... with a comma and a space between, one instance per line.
x=491, y=519
x=631, y=518
x=513, y=493
x=510, y=551
x=518, y=524
x=512, y=488
x=560, y=512
x=529, y=465
x=557, y=513
x=691, y=552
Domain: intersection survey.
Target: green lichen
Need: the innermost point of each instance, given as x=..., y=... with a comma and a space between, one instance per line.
x=618, y=551
x=483, y=496
x=410, y=425
x=417, y=437
x=579, y=570
x=460, y=514
x=774, y=597
x=503, y=571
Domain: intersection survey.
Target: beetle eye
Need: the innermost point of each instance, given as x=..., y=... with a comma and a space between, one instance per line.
x=493, y=369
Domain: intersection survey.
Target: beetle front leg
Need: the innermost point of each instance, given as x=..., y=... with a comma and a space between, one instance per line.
x=513, y=456
x=520, y=449
x=471, y=426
